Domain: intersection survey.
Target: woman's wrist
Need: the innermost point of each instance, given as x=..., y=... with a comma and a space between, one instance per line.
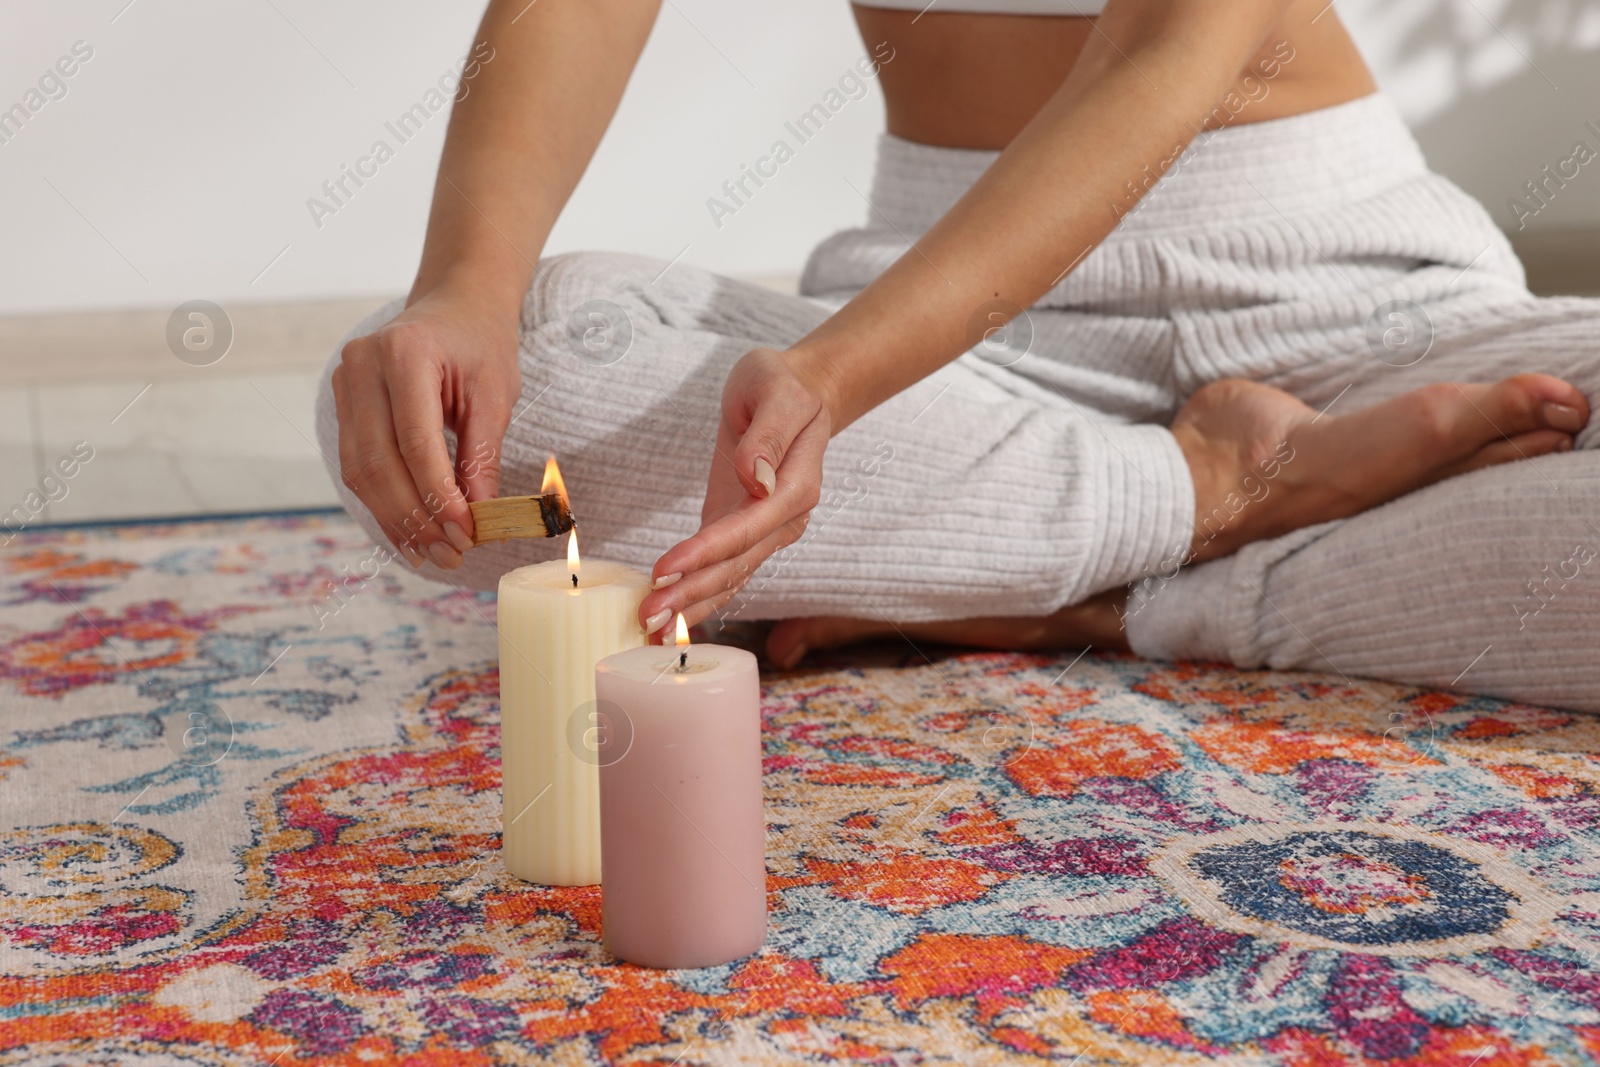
x=821, y=374
x=494, y=283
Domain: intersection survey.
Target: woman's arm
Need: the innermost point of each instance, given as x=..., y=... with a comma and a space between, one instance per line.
x=524, y=134
x=1141, y=88
x=518, y=141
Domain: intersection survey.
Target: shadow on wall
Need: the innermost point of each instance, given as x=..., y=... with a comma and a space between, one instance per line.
x=1497, y=92
x=1506, y=139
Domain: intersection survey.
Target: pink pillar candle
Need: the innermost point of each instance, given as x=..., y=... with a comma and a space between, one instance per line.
x=682, y=835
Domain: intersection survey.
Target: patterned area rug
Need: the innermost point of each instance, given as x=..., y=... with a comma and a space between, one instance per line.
x=971, y=859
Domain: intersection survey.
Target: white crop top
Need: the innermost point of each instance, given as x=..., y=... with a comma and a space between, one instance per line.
x=996, y=7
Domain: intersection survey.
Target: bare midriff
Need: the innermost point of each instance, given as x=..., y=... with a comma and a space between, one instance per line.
x=963, y=80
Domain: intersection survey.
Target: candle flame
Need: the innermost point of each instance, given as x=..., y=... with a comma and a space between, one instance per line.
x=572, y=550
x=552, y=481
x=682, y=638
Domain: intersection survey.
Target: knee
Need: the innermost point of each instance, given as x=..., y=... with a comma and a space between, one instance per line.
x=327, y=413
x=563, y=284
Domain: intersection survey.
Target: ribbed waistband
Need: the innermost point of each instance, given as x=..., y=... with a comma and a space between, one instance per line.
x=1304, y=163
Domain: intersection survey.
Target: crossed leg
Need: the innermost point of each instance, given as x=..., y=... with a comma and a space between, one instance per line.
x=1483, y=578
x=1487, y=582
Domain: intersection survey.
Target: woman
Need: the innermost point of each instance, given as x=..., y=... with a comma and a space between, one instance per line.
x=1219, y=378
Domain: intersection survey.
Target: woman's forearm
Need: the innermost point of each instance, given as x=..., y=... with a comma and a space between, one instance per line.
x=522, y=136
x=1136, y=97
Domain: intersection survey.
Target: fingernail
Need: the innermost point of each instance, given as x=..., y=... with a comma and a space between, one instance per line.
x=793, y=658
x=444, y=555
x=765, y=475
x=1564, y=445
x=458, y=536
x=409, y=551
x=666, y=580
x=657, y=621
x=1563, y=417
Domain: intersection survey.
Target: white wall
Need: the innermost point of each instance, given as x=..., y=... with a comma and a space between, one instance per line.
x=194, y=136
x=185, y=149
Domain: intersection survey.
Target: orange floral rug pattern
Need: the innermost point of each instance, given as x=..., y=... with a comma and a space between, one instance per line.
x=250, y=781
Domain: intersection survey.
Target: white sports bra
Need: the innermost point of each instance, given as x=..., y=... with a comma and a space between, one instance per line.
x=996, y=7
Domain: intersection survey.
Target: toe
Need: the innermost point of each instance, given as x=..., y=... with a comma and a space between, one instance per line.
x=1511, y=449
x=1453, y=421
x=791, y=639
x=1563, y=417
x=786, y=644
x=1554, y=390
x=1529, y=402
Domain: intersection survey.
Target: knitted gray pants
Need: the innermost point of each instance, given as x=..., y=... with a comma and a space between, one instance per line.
x=1316, y=254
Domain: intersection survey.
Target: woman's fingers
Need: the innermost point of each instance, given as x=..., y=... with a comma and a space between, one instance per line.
x=413, y=382
x=721, y=541
x=722, y=555
x=766, y=407
x=483, y=416
x=478, y=451
x=349, y=461
x=708, y=590
x=720, y=558
x=752, y=519
x=381, y=477
x=761, y=450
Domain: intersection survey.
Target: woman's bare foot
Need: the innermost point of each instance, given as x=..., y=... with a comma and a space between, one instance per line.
x=1097, y=621
x=1264, y=464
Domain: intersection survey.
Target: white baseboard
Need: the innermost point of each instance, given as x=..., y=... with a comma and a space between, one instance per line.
x=132, y=343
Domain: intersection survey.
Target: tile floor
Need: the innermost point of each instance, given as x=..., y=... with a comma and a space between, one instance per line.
x=160, y=448
x=162, y=438
x=239, y=442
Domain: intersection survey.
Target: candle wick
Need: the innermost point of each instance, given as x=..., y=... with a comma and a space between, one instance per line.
x=683, y=661
x=574, y=581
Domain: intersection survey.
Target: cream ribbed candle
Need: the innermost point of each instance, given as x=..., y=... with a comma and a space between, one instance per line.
x=551, y=636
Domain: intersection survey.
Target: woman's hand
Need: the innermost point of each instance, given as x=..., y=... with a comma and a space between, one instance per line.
x=446, y=360
x=766, y=477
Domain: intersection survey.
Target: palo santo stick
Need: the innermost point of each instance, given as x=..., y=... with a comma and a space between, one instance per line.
x=520, y=516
